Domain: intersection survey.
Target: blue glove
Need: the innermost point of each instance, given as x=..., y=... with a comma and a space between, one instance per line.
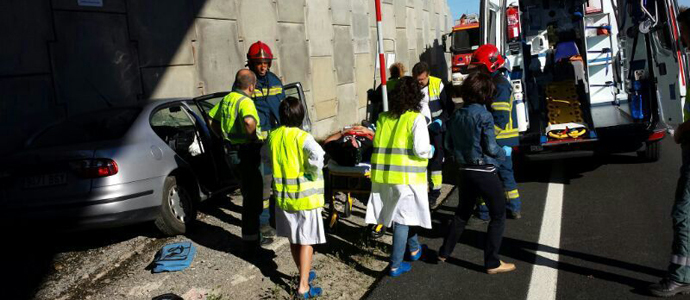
x=436, y=125
x=433, y=149
x=508, y=150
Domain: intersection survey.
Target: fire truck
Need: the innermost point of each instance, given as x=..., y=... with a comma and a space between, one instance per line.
x=464, y=39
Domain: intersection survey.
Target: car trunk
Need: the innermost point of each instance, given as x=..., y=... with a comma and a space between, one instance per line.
x=46, y=175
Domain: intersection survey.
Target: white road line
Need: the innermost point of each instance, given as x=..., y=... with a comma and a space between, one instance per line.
x=544, y=279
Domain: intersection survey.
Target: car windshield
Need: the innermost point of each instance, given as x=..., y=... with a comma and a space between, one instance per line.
x=95, y=126
x=464, y=40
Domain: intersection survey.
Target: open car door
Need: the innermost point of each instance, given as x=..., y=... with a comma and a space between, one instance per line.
x=201, y=106
x=295, y=90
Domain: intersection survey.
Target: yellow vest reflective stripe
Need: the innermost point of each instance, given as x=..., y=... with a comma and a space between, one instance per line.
x=268, y=92
x=510, y=131
x=292, y=189
x=393, y=160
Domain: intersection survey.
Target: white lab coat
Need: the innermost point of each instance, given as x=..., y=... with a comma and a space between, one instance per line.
x=405, y=204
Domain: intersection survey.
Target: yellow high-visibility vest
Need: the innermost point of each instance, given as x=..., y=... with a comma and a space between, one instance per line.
x=292, y=189
x=393, y=160
x=435, y=106
x=231, y=113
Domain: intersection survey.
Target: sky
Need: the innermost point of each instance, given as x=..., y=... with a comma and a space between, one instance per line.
x=459, y=7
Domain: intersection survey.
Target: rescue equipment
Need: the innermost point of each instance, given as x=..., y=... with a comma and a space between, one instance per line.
x=564, y=112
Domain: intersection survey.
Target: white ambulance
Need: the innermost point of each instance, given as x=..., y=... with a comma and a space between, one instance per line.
x=588, y=76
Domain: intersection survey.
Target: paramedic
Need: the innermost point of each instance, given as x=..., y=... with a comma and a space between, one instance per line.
x=677, y=280
x=488, y=60
x=243, y=135
x=267, y=96
x=435, y=109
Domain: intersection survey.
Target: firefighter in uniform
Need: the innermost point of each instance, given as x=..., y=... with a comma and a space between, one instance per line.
x=236, y=119
x=435, y=108
x=267, y=97
x=488, y=60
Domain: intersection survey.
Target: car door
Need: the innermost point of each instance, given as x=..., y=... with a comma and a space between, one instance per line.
x=200, y=106
x=175, y=124
x=295, y=90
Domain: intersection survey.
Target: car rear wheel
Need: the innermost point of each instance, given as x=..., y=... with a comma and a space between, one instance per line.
x=652, y=151
x=177, y=208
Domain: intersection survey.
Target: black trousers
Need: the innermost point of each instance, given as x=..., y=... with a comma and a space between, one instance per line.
x=252, y=190
x=474, y=184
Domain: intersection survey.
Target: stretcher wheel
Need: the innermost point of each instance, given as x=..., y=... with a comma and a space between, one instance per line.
x=332, y=221
x=376, y=231
x=347, y=211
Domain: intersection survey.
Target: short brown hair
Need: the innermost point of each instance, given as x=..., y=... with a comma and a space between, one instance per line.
x=478, y=88
x=291, y=112
x=420, y=68
x=397, y=70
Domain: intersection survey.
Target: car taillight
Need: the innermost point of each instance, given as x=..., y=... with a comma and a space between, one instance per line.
x=455, y=69
x=94, y=168
x=513, y=20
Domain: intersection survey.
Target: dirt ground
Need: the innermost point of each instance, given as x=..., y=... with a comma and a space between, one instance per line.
x=113, y=264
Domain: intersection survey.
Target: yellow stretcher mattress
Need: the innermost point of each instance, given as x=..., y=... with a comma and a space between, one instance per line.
x=564, y=111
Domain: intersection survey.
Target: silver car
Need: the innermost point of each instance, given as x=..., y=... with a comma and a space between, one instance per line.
x=152, y=162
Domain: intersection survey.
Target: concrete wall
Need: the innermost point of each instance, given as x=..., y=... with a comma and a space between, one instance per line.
x=60, y=58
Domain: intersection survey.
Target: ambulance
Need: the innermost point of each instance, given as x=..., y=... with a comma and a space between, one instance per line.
x=590, y=76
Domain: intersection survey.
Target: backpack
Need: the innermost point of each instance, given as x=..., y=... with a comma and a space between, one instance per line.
x=173, y=257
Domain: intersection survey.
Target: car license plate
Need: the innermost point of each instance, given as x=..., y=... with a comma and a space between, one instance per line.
x=45, y=180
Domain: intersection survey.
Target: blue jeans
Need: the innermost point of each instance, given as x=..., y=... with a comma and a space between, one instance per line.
x=514, y=204
x=401, y=241
x=679, y=268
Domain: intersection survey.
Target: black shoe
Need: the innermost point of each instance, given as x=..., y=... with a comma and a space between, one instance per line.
x=514, y=215
x=265, y=241
x=474, y=221
x=267, y=231
x=667, y=288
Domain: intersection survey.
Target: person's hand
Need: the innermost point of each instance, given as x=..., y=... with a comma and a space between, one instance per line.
x=436, y=126
x=433, y=150
x=508, y=150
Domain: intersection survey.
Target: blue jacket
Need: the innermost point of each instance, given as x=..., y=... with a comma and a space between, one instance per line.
x=267, y=97
x=470, y=137
x=504, y=113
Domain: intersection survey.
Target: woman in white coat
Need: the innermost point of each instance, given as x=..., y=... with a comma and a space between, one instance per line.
x=399, y=185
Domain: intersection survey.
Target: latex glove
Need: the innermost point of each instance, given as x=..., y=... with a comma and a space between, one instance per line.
x=433, y=150
x=508, y=150
x=436, y=125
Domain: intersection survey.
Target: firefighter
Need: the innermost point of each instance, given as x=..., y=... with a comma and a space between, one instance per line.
x=488, y=60
x=267, y=97
x=236, y=119
x=435, y=110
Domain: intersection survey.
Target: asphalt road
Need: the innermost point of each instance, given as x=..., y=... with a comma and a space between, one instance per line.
x=613, y=237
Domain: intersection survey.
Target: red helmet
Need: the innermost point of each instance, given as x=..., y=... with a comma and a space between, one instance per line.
x=259, y=51
x=488, y=56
